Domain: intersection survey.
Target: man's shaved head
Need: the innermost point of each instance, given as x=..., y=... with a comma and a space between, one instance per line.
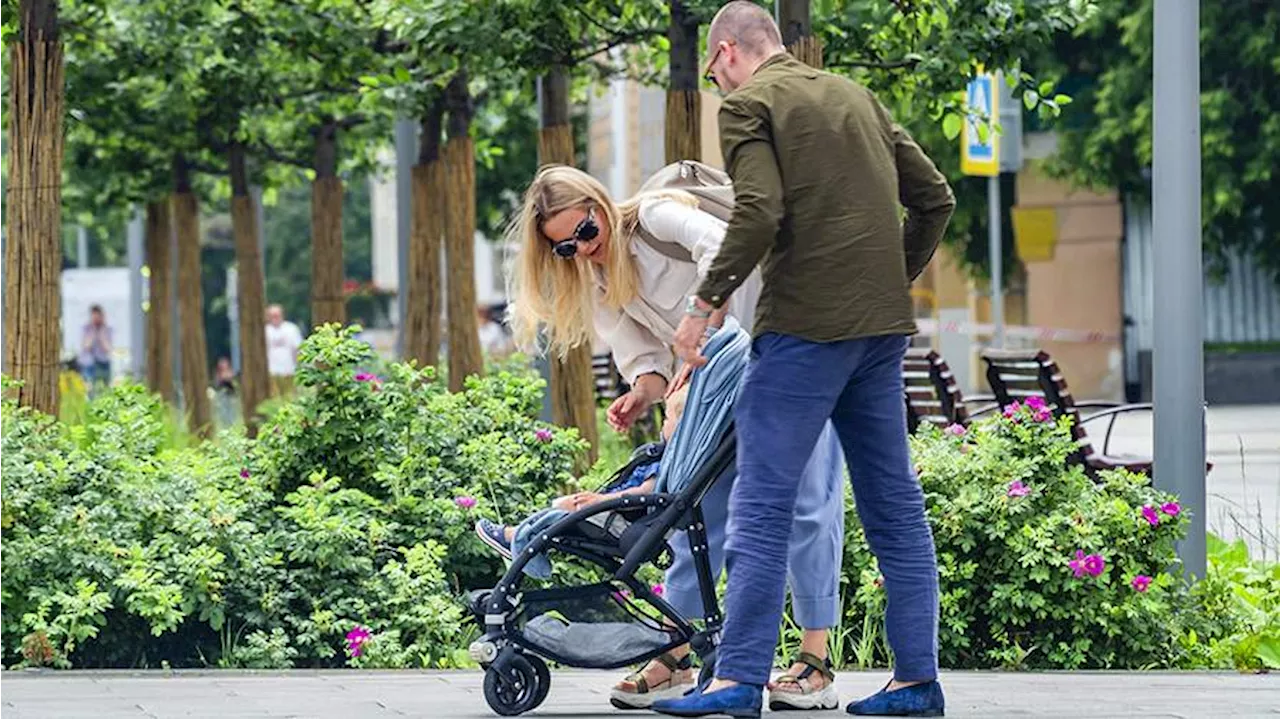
x=748, y=25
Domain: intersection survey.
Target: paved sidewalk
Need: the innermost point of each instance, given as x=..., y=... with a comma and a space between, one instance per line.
x=580, y=694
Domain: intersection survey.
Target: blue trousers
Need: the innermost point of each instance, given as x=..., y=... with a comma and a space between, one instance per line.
x=814, y=553
x=792, y=388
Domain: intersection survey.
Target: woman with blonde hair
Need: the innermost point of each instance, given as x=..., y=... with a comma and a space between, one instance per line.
x=586, y=267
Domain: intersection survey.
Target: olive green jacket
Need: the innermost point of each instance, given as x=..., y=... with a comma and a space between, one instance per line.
x=821, y=175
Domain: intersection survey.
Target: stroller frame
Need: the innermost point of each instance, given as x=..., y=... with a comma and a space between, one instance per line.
x=516, y=676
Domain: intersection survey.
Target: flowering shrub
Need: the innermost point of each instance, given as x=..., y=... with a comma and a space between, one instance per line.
x=1041, y=567
x=351, y=510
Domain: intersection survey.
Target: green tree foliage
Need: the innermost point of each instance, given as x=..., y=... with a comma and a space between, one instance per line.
x=1107, y=142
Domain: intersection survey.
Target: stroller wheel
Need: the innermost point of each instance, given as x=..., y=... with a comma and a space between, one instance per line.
x=516, y=689
x=544, y=680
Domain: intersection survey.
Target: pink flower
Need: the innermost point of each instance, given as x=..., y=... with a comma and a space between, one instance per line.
x=465, y=502
x=1011, y=410
x=658, y=589
x=1035, y=403
x=1018, y=489
x=1077, y=564
x=1171, y=508
x=1140, y=583
x=1091, y=564
x=543, y=435
x=244, y=473
x=1094, y=564
x=366, y=377
x=1150, y=514
x=957, y=430
x=356, y=639
x=1042, y=415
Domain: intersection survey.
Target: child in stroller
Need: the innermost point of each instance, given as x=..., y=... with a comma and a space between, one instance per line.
x=614, y=618
x=640, y=480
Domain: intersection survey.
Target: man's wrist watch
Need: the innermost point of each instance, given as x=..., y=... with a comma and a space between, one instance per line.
x=692, y=309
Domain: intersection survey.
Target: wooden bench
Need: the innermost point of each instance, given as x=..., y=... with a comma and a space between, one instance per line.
x=608, y=383
x=1018, y=375
x=932, y=394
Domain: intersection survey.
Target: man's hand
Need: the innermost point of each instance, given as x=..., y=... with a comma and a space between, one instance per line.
x=628, y=408
x=688, y=339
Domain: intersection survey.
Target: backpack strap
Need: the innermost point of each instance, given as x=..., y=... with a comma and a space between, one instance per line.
x=672, y=250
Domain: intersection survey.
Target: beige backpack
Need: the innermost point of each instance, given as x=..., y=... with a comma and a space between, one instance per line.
x=711, y=187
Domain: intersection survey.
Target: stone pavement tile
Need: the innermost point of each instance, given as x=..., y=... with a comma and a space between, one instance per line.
x=583, y=695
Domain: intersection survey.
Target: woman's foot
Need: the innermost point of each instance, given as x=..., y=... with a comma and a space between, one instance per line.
x=808, y=685
x=496, y=536
x=666, y=677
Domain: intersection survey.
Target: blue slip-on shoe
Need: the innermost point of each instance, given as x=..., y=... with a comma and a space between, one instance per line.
x=741, y=701
x=494, y=535
x=917, y=700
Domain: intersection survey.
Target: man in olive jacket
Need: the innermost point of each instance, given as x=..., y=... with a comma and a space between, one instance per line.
x=822, y=175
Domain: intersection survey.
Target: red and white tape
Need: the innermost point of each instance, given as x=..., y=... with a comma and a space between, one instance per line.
x=930, y=328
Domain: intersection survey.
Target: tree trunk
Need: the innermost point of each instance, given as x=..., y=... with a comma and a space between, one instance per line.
x=422, y=328
x=684, y=102
x=328, y=303
x=195, y=369
x=250, y=292
x=33, y=246
x=465, y=355
x=797, y=32
x=159, y=241
x=573, y=397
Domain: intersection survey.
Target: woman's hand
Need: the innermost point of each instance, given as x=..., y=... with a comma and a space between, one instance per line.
x=628, y=408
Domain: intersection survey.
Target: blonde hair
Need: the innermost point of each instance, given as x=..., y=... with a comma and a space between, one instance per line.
x=557, y=293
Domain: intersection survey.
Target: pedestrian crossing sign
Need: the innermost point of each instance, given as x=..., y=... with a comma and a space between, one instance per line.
x=979, y=145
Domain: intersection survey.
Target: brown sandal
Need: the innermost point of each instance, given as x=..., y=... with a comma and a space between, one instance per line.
x=670, y=688
x=809, y=697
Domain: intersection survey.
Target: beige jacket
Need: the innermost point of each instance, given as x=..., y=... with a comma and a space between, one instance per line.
x=640, y=335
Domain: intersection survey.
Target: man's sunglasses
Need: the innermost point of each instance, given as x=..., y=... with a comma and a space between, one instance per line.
x=586, y=231
x=707, y=73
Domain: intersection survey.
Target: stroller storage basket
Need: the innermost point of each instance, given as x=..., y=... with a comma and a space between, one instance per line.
x=597, y=626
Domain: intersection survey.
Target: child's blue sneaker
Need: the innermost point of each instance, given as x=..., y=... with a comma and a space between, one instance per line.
x=494, y=535
x=917, y=700
x=742, y=701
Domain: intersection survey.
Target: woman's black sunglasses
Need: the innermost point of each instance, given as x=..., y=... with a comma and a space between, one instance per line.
x=586, y=231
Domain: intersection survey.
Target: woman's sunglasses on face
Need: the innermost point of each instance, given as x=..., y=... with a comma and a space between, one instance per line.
x=586, y=231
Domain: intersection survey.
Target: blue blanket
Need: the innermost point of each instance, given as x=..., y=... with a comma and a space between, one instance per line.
x=707, y=413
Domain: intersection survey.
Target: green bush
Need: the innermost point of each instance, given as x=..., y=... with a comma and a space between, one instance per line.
x=1012, y=521
x=125, y=548
x=341, y=536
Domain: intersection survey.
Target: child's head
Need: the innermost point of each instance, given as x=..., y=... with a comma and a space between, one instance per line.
x=674, y=410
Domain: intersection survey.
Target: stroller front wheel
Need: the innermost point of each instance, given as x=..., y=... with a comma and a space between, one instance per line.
x=518, y=688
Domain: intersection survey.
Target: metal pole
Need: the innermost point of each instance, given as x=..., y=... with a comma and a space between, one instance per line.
x=82, y=247
x=406, y=150
x=997, y=261
x=1178, y=357
x=137, y=318
x=233, y=315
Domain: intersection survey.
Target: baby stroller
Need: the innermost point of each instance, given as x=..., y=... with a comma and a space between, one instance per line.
x=619, y=620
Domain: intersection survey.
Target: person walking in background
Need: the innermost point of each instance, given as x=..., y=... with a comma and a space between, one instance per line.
x=493, y=339
x=283, y=340
x=821, y=174
x=95, y=350
x=224, y=387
